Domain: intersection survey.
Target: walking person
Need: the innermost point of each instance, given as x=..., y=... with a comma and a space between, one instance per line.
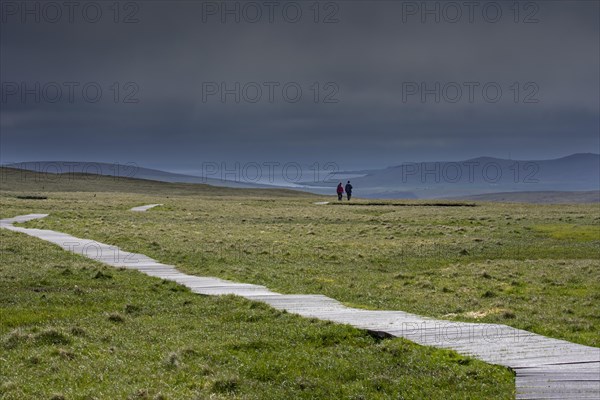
x=340, y=191
x=348, y=190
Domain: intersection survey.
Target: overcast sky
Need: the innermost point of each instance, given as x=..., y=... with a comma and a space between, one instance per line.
x=358, y=83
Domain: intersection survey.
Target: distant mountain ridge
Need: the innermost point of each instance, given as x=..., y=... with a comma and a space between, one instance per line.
x=426, y=180
x=481, y=175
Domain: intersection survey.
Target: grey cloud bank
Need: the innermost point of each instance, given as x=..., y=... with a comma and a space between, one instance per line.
x=362, y=84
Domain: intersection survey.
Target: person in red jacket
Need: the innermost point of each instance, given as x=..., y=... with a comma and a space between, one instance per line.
x=340, y=191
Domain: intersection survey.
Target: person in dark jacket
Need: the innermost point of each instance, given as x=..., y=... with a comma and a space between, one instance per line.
x=340, y=191
x=348, y=190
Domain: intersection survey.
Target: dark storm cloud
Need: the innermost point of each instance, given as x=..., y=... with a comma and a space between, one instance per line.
x=370, y=58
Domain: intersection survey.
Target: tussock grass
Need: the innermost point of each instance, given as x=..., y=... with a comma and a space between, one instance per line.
x=115, y=317
x=534, y=267
x=178, y=345
x=49, y=336
x=433, y=261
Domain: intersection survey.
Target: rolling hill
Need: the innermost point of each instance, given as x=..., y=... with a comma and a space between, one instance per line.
x=130, y=170
x=33, y=184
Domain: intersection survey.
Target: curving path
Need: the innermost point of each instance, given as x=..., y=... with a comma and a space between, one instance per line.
x=545, y=368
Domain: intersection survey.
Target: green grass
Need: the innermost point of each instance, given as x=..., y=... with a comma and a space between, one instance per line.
x=71, y=328
x=571, y=232
x=490, y=263
x=535, y=267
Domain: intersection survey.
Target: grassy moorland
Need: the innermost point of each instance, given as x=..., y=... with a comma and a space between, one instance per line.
x=71, y=328
x=534, y=267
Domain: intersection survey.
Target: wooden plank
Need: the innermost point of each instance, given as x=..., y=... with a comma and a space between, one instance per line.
x=144, y=208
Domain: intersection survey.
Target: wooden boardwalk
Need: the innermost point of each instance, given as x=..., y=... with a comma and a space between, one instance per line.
x=145, y=208
x=545, y=368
